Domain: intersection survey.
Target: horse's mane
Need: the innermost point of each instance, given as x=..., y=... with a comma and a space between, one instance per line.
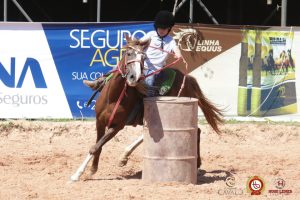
x=136, y=42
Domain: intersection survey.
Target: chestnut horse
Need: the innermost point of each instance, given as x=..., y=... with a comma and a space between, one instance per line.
x=117, y=101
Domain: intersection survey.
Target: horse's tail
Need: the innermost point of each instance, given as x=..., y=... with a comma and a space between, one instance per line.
x=213, y=115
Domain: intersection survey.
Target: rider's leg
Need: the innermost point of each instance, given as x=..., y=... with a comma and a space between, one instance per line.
x=149, y=81
x=92, y=84
x=96, y=84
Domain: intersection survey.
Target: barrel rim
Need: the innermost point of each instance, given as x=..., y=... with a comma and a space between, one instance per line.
x=170, y=99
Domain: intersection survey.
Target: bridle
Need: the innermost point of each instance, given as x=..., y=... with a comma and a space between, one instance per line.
x=124, y=74
x=123, y=70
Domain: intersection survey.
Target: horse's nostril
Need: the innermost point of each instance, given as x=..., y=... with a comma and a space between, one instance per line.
x=132, y=77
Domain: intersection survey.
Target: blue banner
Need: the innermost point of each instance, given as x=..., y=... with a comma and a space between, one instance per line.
x=87, y=51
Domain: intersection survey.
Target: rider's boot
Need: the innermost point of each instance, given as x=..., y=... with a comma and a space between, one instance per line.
x=95, y=84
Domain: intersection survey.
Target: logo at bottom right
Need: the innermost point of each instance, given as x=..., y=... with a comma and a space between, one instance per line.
x=280, y=184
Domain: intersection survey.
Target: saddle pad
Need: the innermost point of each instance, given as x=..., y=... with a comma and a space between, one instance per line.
x=166, y=79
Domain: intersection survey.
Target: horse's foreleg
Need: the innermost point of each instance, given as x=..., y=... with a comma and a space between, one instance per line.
x=96, y=149
x=94, y=152
x=80, y=170
x=128, y=151
x=100, y=133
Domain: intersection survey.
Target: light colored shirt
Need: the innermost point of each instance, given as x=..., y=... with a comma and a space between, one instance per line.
x=156, y=58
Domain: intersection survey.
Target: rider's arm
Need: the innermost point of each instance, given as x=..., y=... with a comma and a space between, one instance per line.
x=177, y=52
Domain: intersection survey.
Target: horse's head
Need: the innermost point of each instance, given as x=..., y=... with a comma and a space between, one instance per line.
x=134, y=60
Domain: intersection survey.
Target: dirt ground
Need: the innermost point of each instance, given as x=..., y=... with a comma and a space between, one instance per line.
x=38, y=157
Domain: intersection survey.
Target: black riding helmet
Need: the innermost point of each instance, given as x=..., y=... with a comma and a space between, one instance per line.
x=164, y=19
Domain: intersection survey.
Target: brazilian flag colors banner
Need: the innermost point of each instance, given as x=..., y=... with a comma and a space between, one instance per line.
x=267, y=84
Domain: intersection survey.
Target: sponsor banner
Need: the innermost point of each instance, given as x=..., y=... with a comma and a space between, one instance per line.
x=242, y=80
x=87, y=51
x=42, y=66
x=200, y=44
x=217, y=72
x=29, y=83
x=267, y=64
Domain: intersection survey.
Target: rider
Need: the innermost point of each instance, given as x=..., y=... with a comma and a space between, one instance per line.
x=157, y=53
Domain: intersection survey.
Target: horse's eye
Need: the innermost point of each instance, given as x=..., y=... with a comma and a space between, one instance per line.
x=130, y=53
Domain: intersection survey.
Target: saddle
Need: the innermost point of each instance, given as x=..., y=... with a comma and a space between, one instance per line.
x=163, y=83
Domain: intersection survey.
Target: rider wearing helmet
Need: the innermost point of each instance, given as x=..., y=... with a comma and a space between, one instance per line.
x=164, y=19
x=161, y=44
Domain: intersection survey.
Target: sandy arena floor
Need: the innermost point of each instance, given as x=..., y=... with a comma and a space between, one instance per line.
x=37, y=159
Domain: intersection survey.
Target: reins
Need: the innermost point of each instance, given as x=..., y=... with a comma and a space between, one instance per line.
x=125, y=85
x=123, y=74
x=117, y=105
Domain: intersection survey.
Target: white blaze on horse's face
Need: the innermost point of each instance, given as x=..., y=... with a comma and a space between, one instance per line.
x=134, y=64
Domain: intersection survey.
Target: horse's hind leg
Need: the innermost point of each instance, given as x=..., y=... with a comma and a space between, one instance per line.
x=96, y=149
x=128, y=151
x=198, y=148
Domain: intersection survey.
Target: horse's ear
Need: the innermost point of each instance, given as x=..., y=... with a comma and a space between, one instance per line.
x=127, y=37
x=145, y=44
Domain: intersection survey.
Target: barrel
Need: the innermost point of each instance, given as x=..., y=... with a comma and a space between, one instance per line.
x=170, y=139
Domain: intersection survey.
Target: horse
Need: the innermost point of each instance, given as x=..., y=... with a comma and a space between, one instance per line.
x=268, y=63
x=282, y=62
x=120, y=95
x=291, y=60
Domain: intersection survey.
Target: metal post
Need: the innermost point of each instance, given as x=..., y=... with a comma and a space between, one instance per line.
x=5, y=11
x=22, y=10
x=175, y=5
x=207, y=11
x=283, y=12
x=98, y=10
x=180, y=5
x=191, y=11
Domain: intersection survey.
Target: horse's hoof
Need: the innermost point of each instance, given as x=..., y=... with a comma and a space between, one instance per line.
x=93, y=171
x=87, y=176
x=122, y=162
x=74, y=178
